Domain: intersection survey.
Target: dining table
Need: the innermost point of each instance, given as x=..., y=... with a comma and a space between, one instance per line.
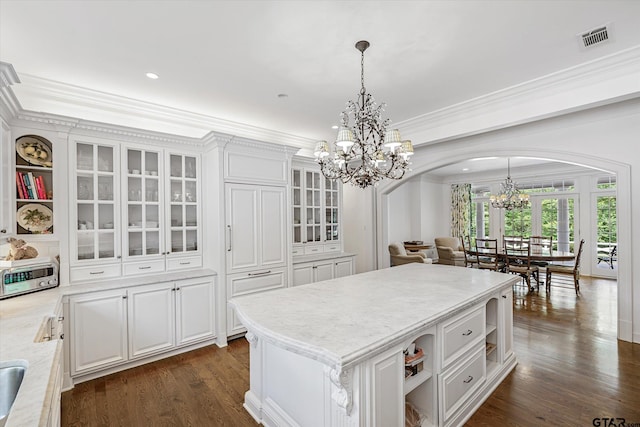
x=545, y=256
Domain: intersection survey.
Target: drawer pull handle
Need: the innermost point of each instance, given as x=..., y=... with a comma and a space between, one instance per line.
x=259, y=274
x=185, y=263
x=146, y=267
x=469, y=332
x=504, y=296
x=96, y=272
x=468, y=380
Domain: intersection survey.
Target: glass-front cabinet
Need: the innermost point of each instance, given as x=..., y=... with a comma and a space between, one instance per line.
x=183, y=206
x=316, y=212
x=95, y=214
x=133, y=207
x=142, y=215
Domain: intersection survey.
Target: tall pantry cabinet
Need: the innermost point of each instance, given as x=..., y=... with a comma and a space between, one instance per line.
x=256, y=233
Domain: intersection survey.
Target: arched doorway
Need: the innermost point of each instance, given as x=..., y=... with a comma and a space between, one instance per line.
x=432, y=158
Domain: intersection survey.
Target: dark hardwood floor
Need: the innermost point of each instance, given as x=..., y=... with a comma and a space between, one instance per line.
x=571, y=369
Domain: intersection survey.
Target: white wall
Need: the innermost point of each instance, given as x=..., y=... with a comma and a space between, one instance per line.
x=603, y=137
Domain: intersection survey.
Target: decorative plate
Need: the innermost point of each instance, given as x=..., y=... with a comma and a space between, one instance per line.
x=34, y=151
x=35, y=217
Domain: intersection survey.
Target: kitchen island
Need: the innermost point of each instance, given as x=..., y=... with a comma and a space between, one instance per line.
x=333, y=353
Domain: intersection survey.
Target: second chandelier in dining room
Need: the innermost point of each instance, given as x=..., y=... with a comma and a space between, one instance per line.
x=509, y=197
x=365, y=152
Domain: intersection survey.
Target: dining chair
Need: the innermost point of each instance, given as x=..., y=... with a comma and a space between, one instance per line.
x=487, y=255
x=514, y=242
x=470, y=260
x=573, y=270
x=540, y=245
x=608, y=254
x=518, y=261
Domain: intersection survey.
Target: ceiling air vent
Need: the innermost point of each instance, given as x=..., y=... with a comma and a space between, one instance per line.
x=594, y=37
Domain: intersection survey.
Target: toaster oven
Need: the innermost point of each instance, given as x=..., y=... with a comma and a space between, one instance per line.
x=28, y=278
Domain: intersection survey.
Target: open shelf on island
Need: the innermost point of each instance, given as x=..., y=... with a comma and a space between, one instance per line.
x=410, y=383
x=490, y=328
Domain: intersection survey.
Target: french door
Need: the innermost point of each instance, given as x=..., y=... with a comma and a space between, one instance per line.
x=604, y=230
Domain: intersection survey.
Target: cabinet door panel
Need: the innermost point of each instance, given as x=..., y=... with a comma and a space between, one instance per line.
x=194, y=311
x=99, y=331
x=506, y=304
x=323, y=271
x=302, y=274
x=344, y=267
x=387, y=388
x=242, y=223
x=151, y=319
x=273, y=226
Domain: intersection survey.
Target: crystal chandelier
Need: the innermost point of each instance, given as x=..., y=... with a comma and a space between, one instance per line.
x=366, y=152
x=509, y=196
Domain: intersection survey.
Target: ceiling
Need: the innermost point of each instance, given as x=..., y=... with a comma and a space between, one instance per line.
x=231, y=59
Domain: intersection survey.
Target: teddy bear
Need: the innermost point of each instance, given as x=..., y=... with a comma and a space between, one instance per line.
x=20, y=250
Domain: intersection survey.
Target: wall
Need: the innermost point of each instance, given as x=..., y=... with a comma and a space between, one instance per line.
x=602, y=137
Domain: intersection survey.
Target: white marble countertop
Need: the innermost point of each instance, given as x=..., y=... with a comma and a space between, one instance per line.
x=343, y=321
x=21, y=318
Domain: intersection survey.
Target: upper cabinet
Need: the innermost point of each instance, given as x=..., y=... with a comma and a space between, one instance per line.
x=316, y=204
x=134, y=207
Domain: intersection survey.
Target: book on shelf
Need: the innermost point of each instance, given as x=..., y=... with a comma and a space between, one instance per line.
x=19, y=186
x=31, y=187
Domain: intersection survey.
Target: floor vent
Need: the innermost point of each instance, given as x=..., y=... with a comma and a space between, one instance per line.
x=595, y=37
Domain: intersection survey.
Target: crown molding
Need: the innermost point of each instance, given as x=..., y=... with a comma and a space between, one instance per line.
x=9, y=104
x=51, y=96
x=599, y=82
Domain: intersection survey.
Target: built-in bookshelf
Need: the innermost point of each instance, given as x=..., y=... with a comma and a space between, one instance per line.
x=34, y=185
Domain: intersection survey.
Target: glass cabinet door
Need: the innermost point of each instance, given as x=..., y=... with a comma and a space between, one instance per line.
x=313, y=207
x=296, y=199
x=142, y=215
x=183, y=206
x=95, y=188
x=331, y=205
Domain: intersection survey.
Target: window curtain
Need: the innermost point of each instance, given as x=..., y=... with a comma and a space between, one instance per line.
x=460, y=208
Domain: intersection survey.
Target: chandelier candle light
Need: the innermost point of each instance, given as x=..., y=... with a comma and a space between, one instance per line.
x=366, y=152
x=509, y=197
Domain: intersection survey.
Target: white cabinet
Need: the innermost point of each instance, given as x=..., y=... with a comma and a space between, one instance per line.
x=256, y=227
x=98, y=330
x=111, y=328
x=151, y=319
x=322, y=269
x=316, y=205
x=195, y=311
x=6, y=179
x=135, y=207
x=385, y=372
x=95, y=211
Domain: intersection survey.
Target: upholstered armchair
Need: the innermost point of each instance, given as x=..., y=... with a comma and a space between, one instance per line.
x=450, y=251
x=399, y=255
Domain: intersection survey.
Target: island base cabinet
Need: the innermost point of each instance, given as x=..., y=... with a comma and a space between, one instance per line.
x=99, y=330
x=386, y=389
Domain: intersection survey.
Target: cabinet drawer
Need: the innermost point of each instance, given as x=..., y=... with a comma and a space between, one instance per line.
x=332, y=247
x=145, y=267
x=309, y=250
x=461, y=380
x=258, y=281
x=98, y=272
x=297, y=251
x=459, y=334
x=184, y=263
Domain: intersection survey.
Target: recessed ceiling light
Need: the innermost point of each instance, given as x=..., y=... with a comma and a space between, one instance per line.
x=152, y=76
x=334, y=127
x=465, y=169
